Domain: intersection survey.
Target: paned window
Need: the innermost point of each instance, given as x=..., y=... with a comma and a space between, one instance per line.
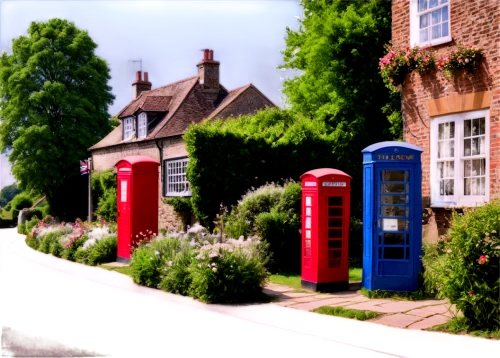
x=429, y=22
x=142, y=126
x=176, y=183
x=128, y=127
x=459, y=159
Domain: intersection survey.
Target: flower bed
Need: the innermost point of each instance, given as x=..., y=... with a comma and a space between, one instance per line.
x=197, y=265
x=80, y=242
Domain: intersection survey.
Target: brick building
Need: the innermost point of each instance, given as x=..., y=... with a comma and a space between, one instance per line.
x=454, y=120
x=153, y=123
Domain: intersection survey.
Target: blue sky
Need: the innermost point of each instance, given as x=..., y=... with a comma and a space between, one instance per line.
x=246, y=37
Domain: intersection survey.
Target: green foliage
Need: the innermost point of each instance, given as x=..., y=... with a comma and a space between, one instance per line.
x=55, y=248
x=182, y=208
x=149, y=260
x=104, y=194
x=32, y=241
x=102, y=251
x=410, y=296
x=229, y=274
x=69, y=252
x=8, y=193
x=466, y=268
x=47, y=240
x=176, y=276
x=337, y=50
x=21, y=201
x=359, y=315
x=272, y=145
x=21, y=229
x=114, y=122
x=31, y=224
x=458, y=325
x=54, y=98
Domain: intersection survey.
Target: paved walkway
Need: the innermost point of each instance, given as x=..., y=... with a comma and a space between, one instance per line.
x=395, y=313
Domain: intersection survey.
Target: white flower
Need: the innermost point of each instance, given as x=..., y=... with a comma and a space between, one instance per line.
x=448, y=251
x=214, y=269
x=157, y=253
x=169, y=263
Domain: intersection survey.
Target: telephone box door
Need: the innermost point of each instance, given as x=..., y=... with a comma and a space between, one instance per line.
x=393, y=226
x=124, y=219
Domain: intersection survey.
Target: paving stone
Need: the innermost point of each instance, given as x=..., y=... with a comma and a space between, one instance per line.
x=318, y=303
x=278, y=288
x=284, y=303
x=400, y=306
x=435, y=309
x=400, y=320
x=370, y=305
x=429, y=322
x=310, y=298
x=419, y=312
x=295, y=294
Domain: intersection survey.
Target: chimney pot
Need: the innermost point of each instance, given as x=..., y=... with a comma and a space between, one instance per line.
x=205, y=54
x=138, y=76
x=146, y=77
x=211, y=55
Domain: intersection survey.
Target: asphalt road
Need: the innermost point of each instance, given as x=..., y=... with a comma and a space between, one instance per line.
x=54, y=308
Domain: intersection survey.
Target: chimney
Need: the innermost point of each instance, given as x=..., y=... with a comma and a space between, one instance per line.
x=139, y=85
x=208, y=71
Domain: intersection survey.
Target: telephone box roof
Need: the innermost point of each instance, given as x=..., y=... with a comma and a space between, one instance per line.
x=381, y=145
x=319, y=173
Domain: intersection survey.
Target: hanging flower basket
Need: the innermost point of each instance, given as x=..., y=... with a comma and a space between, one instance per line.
x=466, y=58
x=395, y=65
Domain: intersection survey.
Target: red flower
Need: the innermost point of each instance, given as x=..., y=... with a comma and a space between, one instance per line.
x=483, y=259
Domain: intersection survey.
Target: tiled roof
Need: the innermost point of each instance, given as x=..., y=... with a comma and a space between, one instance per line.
x=231, y=96
x=177, y=106
x=156, y=103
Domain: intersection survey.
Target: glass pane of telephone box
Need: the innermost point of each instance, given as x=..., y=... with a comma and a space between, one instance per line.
x=334, y=222
x=334, y=211
x=334, y=201
x=334, y=234
x=394, y=175
x=394, y=199
x=394, y=253
x=334, y=254
x=334, y=244
x=392, y=211
x=394, y=239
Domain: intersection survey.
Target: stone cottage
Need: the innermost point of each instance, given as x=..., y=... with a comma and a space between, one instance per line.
x=455, y=120
x=153, y=123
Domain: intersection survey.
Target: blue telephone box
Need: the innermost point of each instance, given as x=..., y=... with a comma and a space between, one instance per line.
x=392, y=216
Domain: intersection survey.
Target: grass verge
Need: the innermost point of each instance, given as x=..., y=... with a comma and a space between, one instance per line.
x=409, y=296
x=126, y=270
x=293, y=280
x=359, y=315
x=457, y=326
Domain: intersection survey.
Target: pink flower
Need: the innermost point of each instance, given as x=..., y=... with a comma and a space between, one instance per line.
x=466, y=60
x=470, y=293
x=483, y=259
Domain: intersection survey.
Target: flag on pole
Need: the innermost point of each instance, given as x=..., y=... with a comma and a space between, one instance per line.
x=84, y=167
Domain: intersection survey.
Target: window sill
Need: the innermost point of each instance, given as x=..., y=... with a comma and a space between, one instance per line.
x=452, y=205
x=437, y=42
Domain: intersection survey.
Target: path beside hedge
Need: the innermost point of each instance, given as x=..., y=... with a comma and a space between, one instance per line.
x=396, y=313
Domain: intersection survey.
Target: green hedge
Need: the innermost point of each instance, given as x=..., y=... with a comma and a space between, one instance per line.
x=104, y=194
x=228, y=157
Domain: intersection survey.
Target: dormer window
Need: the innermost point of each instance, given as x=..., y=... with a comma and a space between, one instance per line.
x=142, y=126
x=128, y=128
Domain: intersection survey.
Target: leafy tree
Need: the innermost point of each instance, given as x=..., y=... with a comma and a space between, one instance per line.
x=337, y=49
x=8, y=193
x=54, y=97
x=114, y=122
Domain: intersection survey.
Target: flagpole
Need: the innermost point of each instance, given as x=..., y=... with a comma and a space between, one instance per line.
x=89, y=164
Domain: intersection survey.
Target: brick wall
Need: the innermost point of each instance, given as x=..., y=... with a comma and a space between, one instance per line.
x=248, y=102
x=474, y=22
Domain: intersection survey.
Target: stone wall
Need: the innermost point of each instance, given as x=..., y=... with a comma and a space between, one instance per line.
x=472, y=22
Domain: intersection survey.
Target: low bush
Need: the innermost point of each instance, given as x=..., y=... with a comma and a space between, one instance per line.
x=21, y=229
x=31, y=224
x=466, y=267
x=229, y=273
x=176, y=277
x=103, y=251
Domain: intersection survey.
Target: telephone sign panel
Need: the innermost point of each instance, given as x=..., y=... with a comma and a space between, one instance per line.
x=392, y=216
x=325, y=229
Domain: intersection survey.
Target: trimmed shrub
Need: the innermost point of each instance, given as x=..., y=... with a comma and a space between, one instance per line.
x=466, y=270
x=103, y=251
x=232, y=272
x=176, y=277
x=149, y=260
x=47, y=240
x=272, y=144
x=31, y=224
x=21, y=201
x=21, y=229
x=70, y=249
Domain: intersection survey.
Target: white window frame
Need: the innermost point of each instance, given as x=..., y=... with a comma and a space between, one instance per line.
x=128, y=128
x=458, y=198
x=415, y=24
x=142, y=125
x=176, y=183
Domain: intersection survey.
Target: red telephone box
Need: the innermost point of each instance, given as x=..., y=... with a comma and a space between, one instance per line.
x=326, y=197
x=138, y=188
